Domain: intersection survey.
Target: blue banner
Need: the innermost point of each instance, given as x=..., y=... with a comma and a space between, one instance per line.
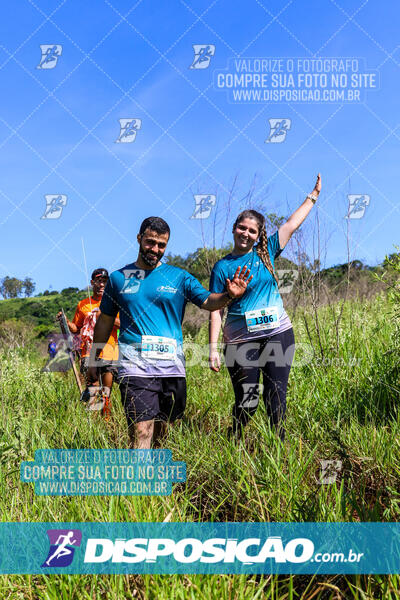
x=210, y=548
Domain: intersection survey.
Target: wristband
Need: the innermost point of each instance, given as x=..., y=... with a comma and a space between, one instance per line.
x=312, y=198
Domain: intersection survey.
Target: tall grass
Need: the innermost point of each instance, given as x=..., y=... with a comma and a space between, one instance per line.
x=343, y=409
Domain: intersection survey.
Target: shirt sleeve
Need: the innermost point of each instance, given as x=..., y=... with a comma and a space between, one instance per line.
x=217, y=280
x=274, y=247
x=79, y=317
x=194, y=291
x=108, y=304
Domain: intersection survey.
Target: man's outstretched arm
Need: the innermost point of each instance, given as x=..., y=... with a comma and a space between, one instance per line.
x=216, y=301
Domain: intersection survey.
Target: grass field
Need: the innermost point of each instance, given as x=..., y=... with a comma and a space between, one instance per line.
x=341, y=406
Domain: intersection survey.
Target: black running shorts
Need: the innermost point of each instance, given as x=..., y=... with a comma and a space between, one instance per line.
x=148, y=398
x=105, y=368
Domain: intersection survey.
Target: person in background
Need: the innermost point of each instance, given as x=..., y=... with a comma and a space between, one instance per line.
x=83, y=323
x=52, y=348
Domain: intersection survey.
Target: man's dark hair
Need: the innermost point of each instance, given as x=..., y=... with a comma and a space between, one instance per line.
x=100, y=271
x=156, y=224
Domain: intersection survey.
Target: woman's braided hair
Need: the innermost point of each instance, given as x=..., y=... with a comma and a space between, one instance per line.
x=262, y=246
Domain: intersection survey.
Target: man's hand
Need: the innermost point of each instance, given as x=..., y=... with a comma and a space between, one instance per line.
x=237, y=287
x=71, y=326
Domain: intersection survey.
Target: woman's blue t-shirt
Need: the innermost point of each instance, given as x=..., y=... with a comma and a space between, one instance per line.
x=262, y=292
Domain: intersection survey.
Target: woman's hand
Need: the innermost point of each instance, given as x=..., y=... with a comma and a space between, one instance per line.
x=214, y=361
x=317, y=187
x=237, y=287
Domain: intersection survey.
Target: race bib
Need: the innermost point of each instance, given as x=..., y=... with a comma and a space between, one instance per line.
x=161, y=348
x=263, y=318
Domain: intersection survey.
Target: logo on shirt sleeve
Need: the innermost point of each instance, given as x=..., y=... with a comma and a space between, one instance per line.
x=133, y=277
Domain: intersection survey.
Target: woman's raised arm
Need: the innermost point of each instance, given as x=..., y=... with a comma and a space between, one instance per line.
x=296, y=219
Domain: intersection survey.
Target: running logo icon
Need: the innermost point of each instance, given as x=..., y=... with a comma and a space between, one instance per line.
x=357, y=205
x=128, y=130
x=54, y=206
x=287, y=278
x=278, y=129
x=329, y=471
x=251, y=395
x=50, y=55
x=202, y=56
x=203, y=205
x=63, y=543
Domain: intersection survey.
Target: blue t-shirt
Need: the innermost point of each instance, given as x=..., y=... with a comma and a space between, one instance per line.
x=150, y=302
x=261, y=292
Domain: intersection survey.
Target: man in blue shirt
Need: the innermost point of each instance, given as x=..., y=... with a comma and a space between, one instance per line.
x=151, y=298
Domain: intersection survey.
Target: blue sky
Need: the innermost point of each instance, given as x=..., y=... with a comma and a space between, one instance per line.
x=123, y=59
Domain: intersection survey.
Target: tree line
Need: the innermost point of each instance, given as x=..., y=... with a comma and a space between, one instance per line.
x=199, y=263
x=12, y=287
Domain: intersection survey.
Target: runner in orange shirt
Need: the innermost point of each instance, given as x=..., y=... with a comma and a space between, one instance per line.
x=84, y=320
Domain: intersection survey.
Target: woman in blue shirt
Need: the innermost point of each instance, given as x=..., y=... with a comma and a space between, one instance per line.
x=258, y=335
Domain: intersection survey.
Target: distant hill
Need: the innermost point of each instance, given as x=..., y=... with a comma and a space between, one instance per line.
x=39, y=312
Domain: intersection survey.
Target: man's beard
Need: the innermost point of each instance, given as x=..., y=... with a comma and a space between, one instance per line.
x=151, y=261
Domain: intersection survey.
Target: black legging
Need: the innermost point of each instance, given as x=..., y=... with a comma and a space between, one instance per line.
x=273, y=355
